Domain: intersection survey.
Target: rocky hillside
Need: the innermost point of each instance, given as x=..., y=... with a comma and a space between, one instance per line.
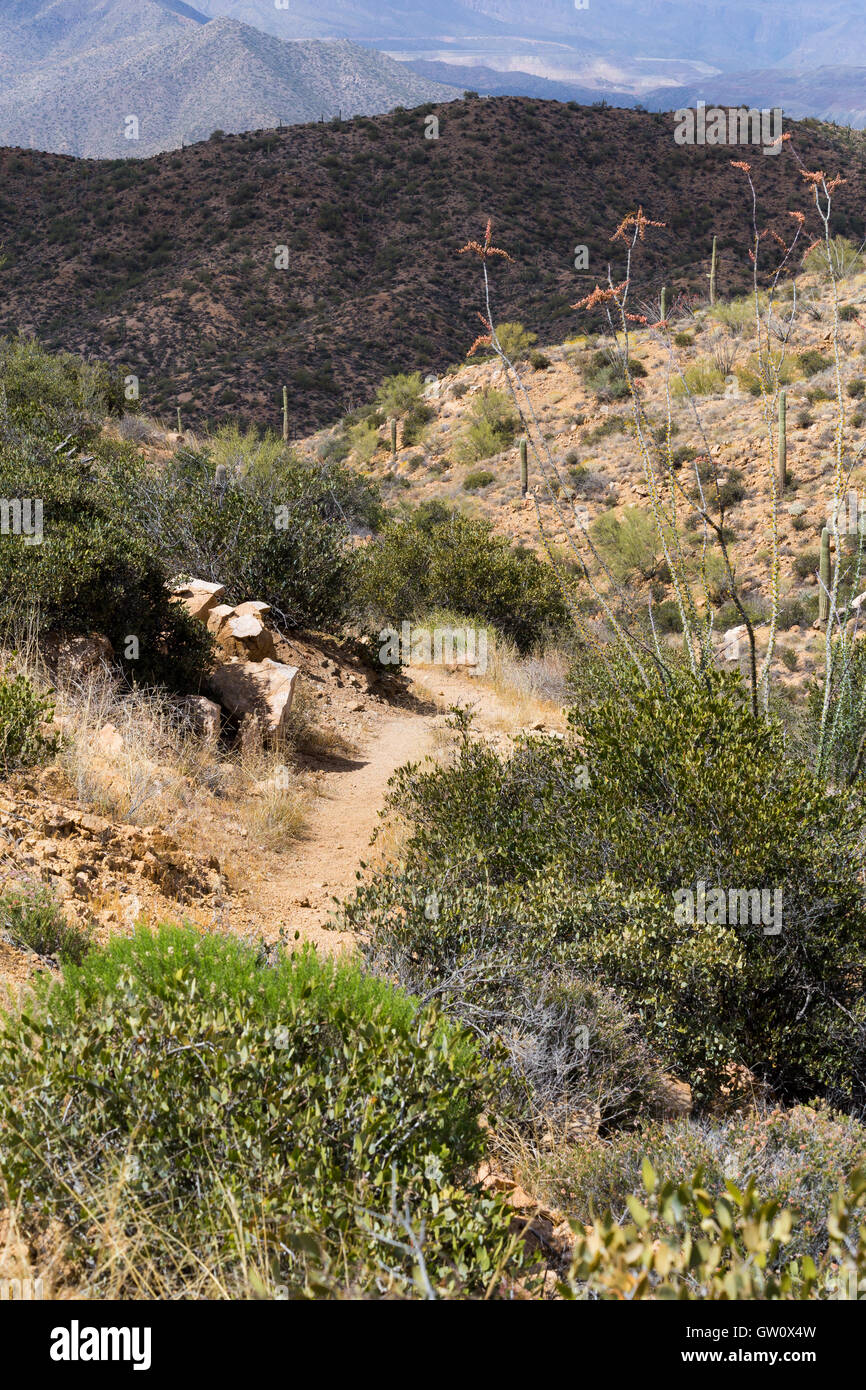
x=591, y=438
x=73, y=87
x=167, y=266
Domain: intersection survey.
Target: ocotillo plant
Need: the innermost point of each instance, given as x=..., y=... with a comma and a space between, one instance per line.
x=713, y=274
x=824, y=577
x=524, y=469
x=285, y=413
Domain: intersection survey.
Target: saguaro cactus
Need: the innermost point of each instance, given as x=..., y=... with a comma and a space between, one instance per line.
x=664, y=303
x=783, y=439
x=286, y=413
x=713, y=263
x=393, y=438
x=824, y=577
x=524, y=470
x=179, y=425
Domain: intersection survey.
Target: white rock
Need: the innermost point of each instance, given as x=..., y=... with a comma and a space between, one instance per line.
x=198, y=597
x=260, y=688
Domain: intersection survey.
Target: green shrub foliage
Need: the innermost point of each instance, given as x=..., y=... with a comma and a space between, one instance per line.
x=233, y=1092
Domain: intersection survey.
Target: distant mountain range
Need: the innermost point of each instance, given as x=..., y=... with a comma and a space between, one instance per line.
x=117, y=78
x=73, y=72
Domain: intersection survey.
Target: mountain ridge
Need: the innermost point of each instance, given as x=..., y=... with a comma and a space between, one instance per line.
x=167, y=266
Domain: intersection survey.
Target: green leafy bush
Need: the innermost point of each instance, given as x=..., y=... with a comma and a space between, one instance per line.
x=491, y=427
x=629, y=542
x=478, y=478
x=699, y=379
x=588, y=850
x=92, y=572
x=515, y=340
x=31, y=916
x=841, y=259
x=440, y=559
x=605, y=374
x=23, y=713
x=802, y=1156
x=742, y=1251
x=228, y=1093
x=279, y=533
x=812, y=361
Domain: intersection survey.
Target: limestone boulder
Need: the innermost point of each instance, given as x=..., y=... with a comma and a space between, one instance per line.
x=204, y=716
x=198, y=597
x=76, y=656
x=262, y=690
x=244, y=635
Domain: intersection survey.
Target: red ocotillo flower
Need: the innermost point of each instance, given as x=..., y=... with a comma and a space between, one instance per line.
x=600, y=296
x=639, y=221
x=483, y=339
x=485, y=250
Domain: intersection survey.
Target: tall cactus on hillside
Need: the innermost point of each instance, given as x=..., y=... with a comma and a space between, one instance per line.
x=783, y=440
x=713, y=264
x=286, y=413
x=524, y=470
x=393, y=437
x=664, y=303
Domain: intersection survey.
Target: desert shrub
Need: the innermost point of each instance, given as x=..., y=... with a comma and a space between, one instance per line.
x=699, y=379
x=849, y=313
x=364, y=439
x=667, y=616
x=233, y=1093
x=538, y=361
x=791, y=613
x=801, y=1156
x=841, y=259
x=24, y=713
x=50, y=392
x=743, y=1251
x=588, y=850
x=846, y=713
x=478, y=478
x=31, y=916
x=93, y=572
x=614, y=424
x=415, y=423
x=684, y=339
x=806, y=563
x=731, y=490
x=738, y=314
x=812, y=361
x=629, y=542
x=400, y=394
x=605, y=374
x=279, y=532
x=515, y=340
x=438, y=558
x=856, y=389
x=490, y=428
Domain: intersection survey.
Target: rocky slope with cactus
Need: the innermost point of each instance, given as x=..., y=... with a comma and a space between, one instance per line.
x=325, y=257
x=440, y=453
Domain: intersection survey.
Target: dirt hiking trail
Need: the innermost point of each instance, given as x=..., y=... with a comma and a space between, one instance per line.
x=298, y=894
